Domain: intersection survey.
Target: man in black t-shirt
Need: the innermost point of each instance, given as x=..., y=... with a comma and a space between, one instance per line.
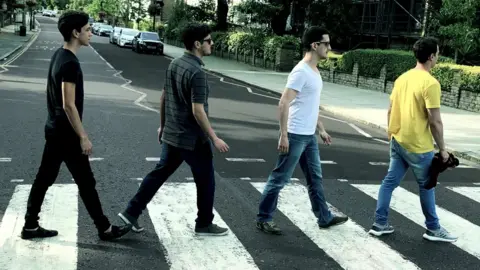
x=66, y=139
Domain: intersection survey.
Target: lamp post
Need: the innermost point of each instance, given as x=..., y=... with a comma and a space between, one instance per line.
x=31, y=4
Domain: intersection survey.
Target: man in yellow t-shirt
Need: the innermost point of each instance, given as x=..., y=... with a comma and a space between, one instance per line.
x=413, y=119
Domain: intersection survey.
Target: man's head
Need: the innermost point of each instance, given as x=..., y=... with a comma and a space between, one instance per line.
x=426, y=51
x=74, y=27
x=317, y=40
x=196, y=38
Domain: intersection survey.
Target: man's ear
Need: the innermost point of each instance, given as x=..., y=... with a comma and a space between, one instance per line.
x=75, y=33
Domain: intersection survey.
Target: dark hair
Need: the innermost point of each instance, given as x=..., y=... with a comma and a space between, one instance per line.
x=194, y=32
x=425, y=47
x=71, y=20
x=313, y=34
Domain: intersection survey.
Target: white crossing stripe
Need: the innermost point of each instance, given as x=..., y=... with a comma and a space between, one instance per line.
x=472, y=193
x=152, y=159
x=5, y=159
x=348, y=244
x=173, y=211
x=59, y=209
x=328, y=162
x=16, y=180
x=378, y=163
x=359, y=130
x=246, y=159
x=408, y=204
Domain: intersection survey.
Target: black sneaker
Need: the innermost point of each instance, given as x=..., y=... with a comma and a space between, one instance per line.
x=269, y=227
x=116, y=232
x=129, y=220
x=38, y=233
x=211, y=229
x=335, y=221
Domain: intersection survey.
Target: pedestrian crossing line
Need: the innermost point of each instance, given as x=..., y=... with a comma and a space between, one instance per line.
x=348, y=244
x=472, y=193
x=408, y=205
x=5, y=160
x=59, y=210
x=246, y=159
x=173, y=211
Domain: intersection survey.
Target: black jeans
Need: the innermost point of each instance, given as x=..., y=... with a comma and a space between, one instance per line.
x=200, y=161
x=69, y=151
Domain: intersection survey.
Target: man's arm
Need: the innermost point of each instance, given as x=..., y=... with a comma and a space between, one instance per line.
x=162, y=109
x=69, y=78
x=432, y=102
x=283, y=106
x=320, y=126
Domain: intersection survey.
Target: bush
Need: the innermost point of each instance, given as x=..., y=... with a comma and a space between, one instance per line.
x=469, y=76
x=244, y=42
x=371, y=61
x=273, y=42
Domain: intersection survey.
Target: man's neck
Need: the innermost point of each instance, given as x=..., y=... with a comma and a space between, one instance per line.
x=311, y=59
x=71, y=46
x=425, y=67
x=196, y=53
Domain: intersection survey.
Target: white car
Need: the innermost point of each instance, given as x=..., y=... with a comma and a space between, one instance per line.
x=126, y=36
x=115, y=34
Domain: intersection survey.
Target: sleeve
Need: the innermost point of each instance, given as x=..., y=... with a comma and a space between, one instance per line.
x=296, y=80
x=432, y=96
x=199, y=87
x=70, y=72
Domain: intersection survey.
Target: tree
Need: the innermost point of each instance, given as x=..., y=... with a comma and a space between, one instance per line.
x=103, y=8
x=222, y=13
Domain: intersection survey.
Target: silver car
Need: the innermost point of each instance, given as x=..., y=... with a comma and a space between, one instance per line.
x=126, y=37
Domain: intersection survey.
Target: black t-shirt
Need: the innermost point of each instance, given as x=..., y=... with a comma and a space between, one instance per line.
x=64, y=67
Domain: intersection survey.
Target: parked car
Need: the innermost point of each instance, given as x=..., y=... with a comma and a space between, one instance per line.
x=126, y=36
x=147, y=42
x=95, y=27
x=115, y=34
x=104, y=30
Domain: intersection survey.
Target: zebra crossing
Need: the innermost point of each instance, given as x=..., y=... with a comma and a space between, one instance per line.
x=173, y=210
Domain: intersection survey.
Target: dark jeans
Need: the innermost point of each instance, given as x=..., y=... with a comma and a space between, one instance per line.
x=303, y=149
x=55, y=152
x=200, y=161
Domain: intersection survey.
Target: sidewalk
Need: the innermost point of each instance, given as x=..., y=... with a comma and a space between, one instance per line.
x=461, y=128
x=11, y=42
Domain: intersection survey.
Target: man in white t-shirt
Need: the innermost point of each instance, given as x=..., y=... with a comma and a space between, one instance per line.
x=299, y=118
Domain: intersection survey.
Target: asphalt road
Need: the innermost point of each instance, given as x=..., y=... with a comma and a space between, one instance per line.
x=123, y=128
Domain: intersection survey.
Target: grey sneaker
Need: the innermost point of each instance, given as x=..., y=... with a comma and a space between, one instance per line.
x=211, y=230
x=130, y=221
x=441, y=235
x=379, y=230
x=269, y=227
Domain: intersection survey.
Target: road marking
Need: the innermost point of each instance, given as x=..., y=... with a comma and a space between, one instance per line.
x=8, y=62
x=5, y=159
x=245, y=178
x=342, y=180
x=294, y=179
x=59, y=209
x=136, y=178
x=360, y=130
x=408, y=204
x=382, y=141
x=477, y=184
x=466, y=167
x=245, y=159
x=379, y=163
x=152, y=159
x=472, y=193
x=173, y=211
x=334, y=119
x=189, y=178
x=95, y=159
x=16, y=180
x=294, y=203
x=328, y=162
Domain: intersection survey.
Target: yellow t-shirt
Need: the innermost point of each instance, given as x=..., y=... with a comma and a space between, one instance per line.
x=413, y=92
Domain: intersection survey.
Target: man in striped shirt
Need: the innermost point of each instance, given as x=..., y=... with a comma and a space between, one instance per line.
x=185, y=132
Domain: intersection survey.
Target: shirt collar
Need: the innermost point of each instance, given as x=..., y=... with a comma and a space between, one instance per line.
x=192, y=56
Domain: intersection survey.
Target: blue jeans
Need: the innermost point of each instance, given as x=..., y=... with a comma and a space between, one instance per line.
x=303, y=149
x=400, y=161
x=200, y=161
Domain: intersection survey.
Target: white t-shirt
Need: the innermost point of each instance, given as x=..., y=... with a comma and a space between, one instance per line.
x=304, y=109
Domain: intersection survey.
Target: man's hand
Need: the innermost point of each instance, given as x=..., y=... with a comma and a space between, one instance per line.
x=283, y=144
x=160, y=132
x=326, y=138
x=86, y=146
x=445, y=155
x=221, y=146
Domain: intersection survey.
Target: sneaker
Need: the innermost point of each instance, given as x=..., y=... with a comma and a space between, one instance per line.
x=129, y=220
x=37, y=233
x=379, y=230
x=337, y=220
x=441, y=235
x=269, y=227
x=116, y=232
x=211, y=229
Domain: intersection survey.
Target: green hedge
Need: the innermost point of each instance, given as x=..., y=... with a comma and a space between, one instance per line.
x=469, y=76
